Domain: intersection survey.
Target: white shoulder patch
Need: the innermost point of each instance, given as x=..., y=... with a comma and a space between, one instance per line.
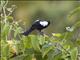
x=44, y=23
x=36, y=20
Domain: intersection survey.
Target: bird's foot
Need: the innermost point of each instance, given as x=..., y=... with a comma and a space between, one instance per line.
x=41, y=33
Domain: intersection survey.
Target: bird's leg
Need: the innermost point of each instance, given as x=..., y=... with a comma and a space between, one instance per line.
x=40, y=32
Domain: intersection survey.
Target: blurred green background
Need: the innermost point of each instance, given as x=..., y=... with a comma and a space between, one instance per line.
x=18, y=16
x=55, y=11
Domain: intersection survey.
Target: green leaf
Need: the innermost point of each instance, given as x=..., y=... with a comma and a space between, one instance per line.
x=17, y=31
x=73, y=12
x=57, y=34
x=9, y=18
x=5, y=31
x=41, y=39
x=26, y=42
x=58, y=57
x=74, y=53
x=77, y=25
x=46, y=48
x=35, y=42
x=5, y=50
x=22, y=57
x=78, y=42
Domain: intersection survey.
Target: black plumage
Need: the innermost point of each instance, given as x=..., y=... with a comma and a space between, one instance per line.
x=37, y=25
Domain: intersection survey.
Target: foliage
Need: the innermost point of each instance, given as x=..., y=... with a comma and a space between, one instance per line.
x=59, y=46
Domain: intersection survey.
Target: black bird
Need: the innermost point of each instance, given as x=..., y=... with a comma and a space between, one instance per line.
x=37, y=25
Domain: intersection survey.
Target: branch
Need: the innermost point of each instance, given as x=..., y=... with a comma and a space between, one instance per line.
x=15, y=55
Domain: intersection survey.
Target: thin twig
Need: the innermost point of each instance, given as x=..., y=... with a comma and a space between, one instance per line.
x=6, y=3
x=4, y=7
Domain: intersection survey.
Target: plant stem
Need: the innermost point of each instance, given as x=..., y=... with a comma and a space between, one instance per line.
x=4, y=12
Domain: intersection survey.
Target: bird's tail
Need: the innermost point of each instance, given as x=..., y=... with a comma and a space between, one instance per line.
x=26, y=33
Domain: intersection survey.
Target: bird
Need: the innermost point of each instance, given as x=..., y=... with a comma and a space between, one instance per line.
x=37, y=25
